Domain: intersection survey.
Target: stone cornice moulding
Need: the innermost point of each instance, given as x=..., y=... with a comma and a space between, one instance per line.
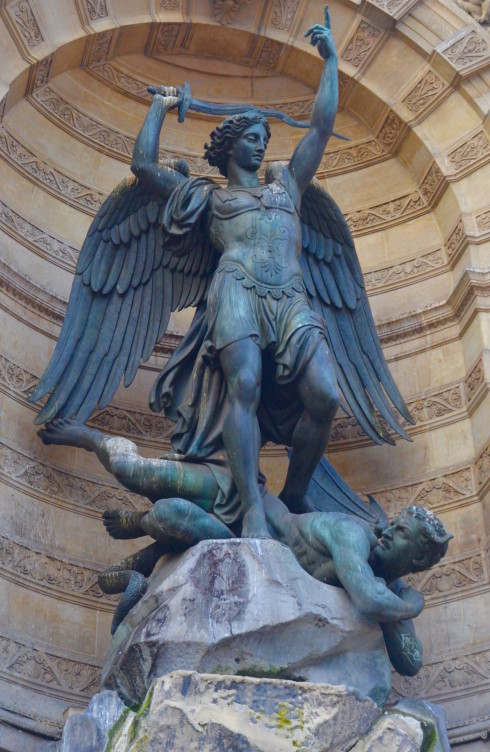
x=456, y=577
x=53, y=249
x=59, y=487
x=25, y=28
x=469, y=295
x=34, y=569
x=47, y=668
x=444, y=678
x=467, y=51
x=377, y=280
x=435, y=408
x=120, y=145
x=61, y=185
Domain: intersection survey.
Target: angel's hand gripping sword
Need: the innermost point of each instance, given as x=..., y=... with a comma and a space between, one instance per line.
x=187, y=102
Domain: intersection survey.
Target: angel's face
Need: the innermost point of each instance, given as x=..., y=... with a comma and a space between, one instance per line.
x=249, y=148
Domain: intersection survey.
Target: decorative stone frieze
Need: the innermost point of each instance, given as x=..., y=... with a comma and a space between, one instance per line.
x=40, y=571
x=352, y=157
x=26, y=23
x=456, y=240
x=432, y=183
x=483, y=222
x=43, y=71
x=410, y=270
x=425, y=94
x=474, y=380
x=392, y=131
x=140, y=425
x=436, y=493
x=83, y=197
x=437, y=405
x=362, y=45
x=99, y=47
x=44, y=669
x=443, y=679
x=452, y=578
x=169, y=4
x=60, y=487
x=394, y=8
x=386, y=213
x=55, y=250
x=96, y=9
x=467, y=50
x=166, y=39
x=225, y=11
x=482, y=467
x=78, y=123
x=475, y=151
x=269, y=55
x=283, y=14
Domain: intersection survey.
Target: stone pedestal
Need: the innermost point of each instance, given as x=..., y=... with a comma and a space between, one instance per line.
x=246, y=608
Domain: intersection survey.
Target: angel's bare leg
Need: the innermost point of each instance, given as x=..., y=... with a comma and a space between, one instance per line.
x=242, y=367
x=317, y=390
x=154, y=478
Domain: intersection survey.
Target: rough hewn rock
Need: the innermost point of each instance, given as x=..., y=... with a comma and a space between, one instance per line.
x=393, y=732
x=245, y=607
x=87, y=731
x=432, y=717
x=190, y=712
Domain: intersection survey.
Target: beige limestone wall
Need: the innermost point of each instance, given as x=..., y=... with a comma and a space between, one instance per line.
x=413, y=184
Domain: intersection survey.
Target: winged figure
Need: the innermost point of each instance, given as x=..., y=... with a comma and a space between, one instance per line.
x=282, y=325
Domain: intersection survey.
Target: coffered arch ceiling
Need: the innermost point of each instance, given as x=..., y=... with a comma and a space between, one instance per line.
x=73, y=96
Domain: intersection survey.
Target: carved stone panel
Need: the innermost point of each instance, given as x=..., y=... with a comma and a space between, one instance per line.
x=467, y=50
x=26, y=23
x=425, y=93
x=225, y=11
x=69, y=189
x=362, y=44
x=96, y=9
x=283, y=13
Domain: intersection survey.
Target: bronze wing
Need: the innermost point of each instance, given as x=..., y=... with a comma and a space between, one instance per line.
x=125, y=288
x=334, y=282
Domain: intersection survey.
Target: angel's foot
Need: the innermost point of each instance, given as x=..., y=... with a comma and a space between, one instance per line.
x=254, y=524
x=69, y=433
x=123, y=525
x=296, y=505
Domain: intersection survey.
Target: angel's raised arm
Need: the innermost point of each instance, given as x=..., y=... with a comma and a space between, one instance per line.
x=161, y=179
x=310, y=150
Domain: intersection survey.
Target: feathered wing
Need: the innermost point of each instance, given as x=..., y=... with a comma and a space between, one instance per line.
x=125, y=288
x=335, y=286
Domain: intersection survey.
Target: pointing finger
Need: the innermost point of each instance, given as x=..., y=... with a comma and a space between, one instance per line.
x=327, y=17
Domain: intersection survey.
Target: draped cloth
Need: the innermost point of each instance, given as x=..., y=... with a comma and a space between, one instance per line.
x=191, y=389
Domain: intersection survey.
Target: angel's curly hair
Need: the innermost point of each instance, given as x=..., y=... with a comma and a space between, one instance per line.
x=216, y=151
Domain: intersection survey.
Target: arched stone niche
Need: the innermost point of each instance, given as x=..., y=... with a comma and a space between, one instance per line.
x=412, y=184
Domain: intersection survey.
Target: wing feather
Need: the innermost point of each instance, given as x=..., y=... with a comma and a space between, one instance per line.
x=334, y=283
x=119, y=307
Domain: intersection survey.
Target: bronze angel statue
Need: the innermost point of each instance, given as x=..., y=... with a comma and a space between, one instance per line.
x=282, y=324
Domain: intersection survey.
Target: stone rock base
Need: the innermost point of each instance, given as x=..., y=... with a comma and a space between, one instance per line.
x=191, y=712
x=245, y=607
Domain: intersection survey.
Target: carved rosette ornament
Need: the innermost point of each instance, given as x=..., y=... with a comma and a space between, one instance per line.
x=225, y=11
